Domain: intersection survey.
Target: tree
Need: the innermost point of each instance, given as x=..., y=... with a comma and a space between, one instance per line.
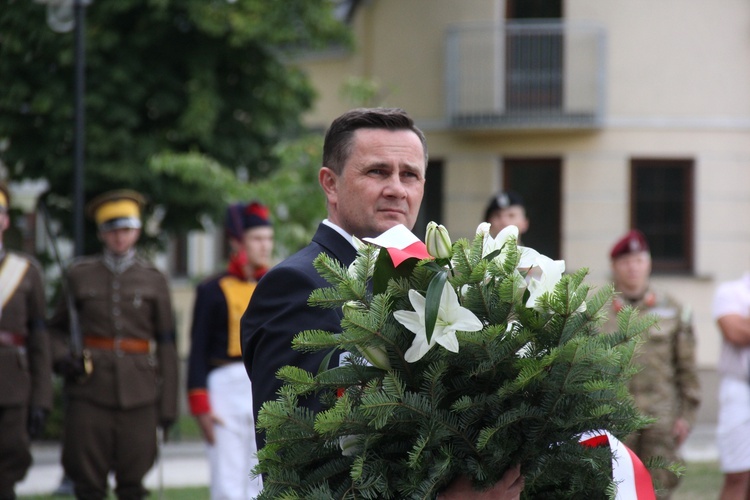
x=196, y=83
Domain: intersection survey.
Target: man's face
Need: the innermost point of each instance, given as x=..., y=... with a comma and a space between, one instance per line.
x=631, y=271
x=258, y=245
x=381, y=184
x=120, y=241
x=514, y=215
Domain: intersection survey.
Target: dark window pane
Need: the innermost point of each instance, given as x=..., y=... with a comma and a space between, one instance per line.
x=542, y=200
x=432, y=202
x=661, y=208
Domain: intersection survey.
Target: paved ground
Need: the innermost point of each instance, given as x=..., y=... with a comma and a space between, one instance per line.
x=184, y=463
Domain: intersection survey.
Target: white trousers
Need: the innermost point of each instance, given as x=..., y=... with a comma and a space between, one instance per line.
x=234, y=452
x=733, y=429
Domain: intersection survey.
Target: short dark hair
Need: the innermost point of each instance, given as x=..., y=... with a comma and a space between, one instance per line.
x=337, y=145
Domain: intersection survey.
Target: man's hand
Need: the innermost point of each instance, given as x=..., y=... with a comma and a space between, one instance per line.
x=165, y=424
x=206, y=422
x=36, y=421
x=71, y=368
x=680, y=431
x=508, y=488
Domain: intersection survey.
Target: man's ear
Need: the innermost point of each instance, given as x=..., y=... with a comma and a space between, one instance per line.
x=328, y=179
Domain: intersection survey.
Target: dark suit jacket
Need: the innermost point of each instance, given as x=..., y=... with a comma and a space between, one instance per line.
x=278, y=310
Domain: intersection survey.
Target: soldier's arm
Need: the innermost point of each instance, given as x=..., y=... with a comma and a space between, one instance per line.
x=687, y=372
x=735, y=329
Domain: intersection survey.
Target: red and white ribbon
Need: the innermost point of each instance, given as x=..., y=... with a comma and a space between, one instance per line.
x=630, y=475
x=401, y=244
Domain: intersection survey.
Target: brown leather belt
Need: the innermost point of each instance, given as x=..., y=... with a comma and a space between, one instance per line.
x=12, y=339
x=127, y=345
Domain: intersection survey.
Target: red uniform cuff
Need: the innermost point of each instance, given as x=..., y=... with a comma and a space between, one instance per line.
x=198, y=401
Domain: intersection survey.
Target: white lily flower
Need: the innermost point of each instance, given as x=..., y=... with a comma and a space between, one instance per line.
x=528, y=258
x=498, y=242
x=451, y=318
x=543, y=277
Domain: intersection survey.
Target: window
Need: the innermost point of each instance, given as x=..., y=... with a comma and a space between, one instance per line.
x=662, y=207
x=538, y=181
x=432, y=201
x=534, y=57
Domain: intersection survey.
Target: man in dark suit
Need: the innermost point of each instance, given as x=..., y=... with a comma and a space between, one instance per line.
x=373, y=175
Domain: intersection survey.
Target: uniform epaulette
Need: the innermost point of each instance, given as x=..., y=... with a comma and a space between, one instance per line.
x=32, y=260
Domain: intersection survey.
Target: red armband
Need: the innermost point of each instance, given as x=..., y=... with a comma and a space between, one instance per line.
x=198, y=401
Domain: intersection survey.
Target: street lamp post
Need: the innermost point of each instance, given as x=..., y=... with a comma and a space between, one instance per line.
x=80, y=115
x=62, y=17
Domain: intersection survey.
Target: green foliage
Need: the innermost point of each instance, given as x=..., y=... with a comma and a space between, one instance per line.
x=293, y=192
x=520, y=391
x=170, y=84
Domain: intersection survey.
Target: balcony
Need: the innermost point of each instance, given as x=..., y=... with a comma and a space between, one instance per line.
x=522, y=75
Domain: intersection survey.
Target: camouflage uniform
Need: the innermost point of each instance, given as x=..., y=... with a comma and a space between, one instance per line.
x=667, y=386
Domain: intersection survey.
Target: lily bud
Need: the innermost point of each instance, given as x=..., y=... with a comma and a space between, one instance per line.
x=350, y=307
x=438, y=241
x=376, y=356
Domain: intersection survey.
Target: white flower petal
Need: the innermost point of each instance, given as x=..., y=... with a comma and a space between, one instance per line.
x=466, y=321
x=411, y=320
x=418, y=349
x=447, y=340
x=529, y=257
x=551, y=273
x=451, y=318
x=483, y=228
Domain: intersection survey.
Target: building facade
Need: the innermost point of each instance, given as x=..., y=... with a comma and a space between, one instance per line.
x=603, y=114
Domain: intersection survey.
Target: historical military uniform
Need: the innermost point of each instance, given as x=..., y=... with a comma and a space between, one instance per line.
x=125, y=313
x=217, y=381
x=25, y=366
x=667, y=386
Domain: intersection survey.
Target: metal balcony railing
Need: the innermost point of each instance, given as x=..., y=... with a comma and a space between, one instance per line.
x=525, y=75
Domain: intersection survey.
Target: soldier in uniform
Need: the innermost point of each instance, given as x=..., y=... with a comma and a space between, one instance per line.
x=25, y=367
x=666, y=387
x=219, y=390
x=126, y=384
x=504, y=209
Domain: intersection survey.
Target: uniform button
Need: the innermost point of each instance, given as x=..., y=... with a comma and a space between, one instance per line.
x=115, y=297
x=116, y=285
x=116, y=311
